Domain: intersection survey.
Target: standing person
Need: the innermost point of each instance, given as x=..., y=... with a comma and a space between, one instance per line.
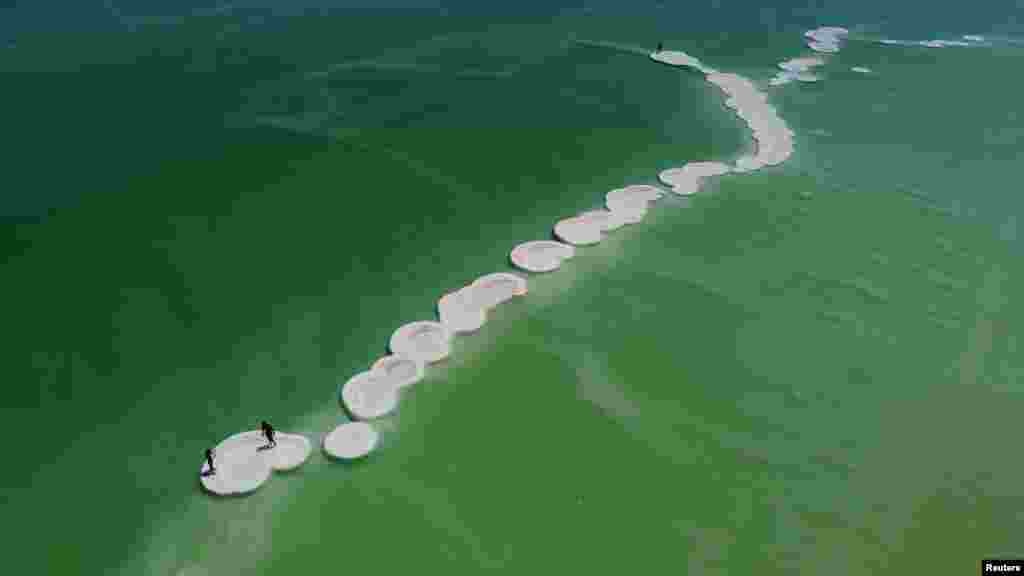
x=659, y=46
x=268, y=433
x=210, y=470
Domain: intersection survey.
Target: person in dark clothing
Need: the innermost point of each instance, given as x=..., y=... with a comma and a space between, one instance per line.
x=268, y=433
x=659, y=46
x=210, y=470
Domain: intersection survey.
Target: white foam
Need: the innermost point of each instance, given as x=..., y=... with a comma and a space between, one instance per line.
x=424, y=341
x=351, y=440
x=541, y=255
x=932, y=43
x=241, y=467
x=494, y=289
x=399, y=371
x=861, y=69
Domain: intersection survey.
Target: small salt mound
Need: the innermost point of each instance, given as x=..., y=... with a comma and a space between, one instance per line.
x=398, y=371
x=827, y=39
x=824, y=48
x=493, y=289
x=351, y=440
x=242, y=467
x=629, y=204
x=578, y=231
x=460, y=311
x=427, y=342
x=676, y=58
x=605, y=220
x=861, y=69
x=794, y=68
x=804, y=77
x=369, y=395
x=801, y=64
x=687, y=179
x=541, y=255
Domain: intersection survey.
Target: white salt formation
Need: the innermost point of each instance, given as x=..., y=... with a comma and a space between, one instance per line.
x=465, y=310
x=541, y=255
x=426, y=342
x=369, y=395
x=687, y=180
x=827, y=39
x=578, y=231
x=676, y=58
x=629, y=205
x=494, y=289
x=460, y=311
x=774, y=140
x=351, y=440
x=861, y=69
x=796, y=69
x=398, y=371
x=242, y=467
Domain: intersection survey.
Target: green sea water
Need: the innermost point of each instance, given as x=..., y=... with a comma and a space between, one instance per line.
x=809, y=369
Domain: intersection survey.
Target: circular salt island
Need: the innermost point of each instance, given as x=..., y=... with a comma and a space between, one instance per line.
x=351, y=441
x=605, y=220
x=425, y=341
x=369, y=395
x=541, y=255
x=243, y=463
x=493, y=289
x=630, y=203
x=578, y=231
x=399, y=371
x=460, y=312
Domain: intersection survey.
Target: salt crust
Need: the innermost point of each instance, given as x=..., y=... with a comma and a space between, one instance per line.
x=351, y=440
x=465, y=309
x=541, y=255
x=423, y=341
x=369, y=395
x=241, y=467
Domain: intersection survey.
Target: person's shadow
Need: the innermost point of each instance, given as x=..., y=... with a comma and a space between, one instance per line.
x=264, y=447
x=208, y=472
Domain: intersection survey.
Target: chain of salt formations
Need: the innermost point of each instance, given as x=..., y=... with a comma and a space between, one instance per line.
x=242, y=466
x=376, y=392
x=825, y=40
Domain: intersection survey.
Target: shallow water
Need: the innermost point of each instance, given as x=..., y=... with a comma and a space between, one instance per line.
x=809, y=368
